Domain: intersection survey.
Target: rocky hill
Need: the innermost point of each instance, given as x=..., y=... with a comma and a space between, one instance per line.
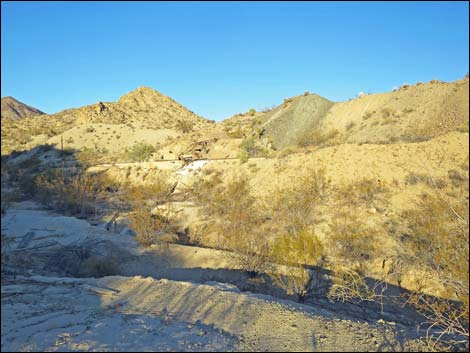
x=143, y=106
x=139, y=113
x=14, y=109
x=409, y=114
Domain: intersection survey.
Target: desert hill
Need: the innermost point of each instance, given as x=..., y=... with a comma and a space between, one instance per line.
x=143, y=115
x=14, y=109
x=409, y=114
x=143, y=106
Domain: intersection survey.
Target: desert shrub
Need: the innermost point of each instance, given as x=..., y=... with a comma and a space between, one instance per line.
x=351, y=286
x=151, y=227
x=463, y=128
x=288, y=100
x=87, y=157
x=236, y=218
x=184, y=126
x=97, y=267
x=30, y=164
x=157, y=191
x=350, y=125
x=296, y=207
x=351, y=241
x=352, y=245
x=26, y=184
x=388, y=112
x=286, y=151
x=414, y=138
x=413, y=178
x=248, y=144
x=7, y=197
x=456, y=177
x=236, y=134
x=244, y=156
x=438, y=241
x=365, y=191
x=248, y=251
x=251, y=146
x=294, y=251
x=140, y=152
x=73, y=192
x=204, y=192
x=318, y=138
x=252, y=112
x=368, y=115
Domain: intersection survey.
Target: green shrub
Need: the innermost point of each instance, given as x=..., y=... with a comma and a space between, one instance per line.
x=140, y=152
x=151, y=227
x=293, y=251
x=244, y=156
x=463, y=128
x=184, y=126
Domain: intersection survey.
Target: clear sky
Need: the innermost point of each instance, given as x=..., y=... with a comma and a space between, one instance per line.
x=219, y=59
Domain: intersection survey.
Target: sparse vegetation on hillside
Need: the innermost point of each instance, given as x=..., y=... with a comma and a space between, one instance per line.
x=319, y=138
x=184, y=126
x=140, y=152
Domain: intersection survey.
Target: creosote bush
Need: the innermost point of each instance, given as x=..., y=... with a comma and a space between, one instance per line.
x=75, y=192
x=364, y=191
x=237, y=220
x=151, y=227
x=351, y=242
x=439, y=246
x=184, y=126
x=294, y=251
x=140, y=152
x=296, y=207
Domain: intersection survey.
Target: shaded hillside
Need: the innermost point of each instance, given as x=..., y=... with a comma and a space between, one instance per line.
x=14, y=109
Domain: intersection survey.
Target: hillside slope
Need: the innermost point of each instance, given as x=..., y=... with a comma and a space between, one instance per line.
x=409, y=114
x=14, y=109
x=114, y=126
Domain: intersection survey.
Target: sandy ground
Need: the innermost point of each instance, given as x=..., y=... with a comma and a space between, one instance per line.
x=63, y=317
x=122, y=313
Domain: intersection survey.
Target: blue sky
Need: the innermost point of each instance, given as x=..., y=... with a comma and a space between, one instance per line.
x=219, y=59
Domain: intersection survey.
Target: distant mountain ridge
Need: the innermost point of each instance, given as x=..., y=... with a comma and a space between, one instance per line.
x=12, y=108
